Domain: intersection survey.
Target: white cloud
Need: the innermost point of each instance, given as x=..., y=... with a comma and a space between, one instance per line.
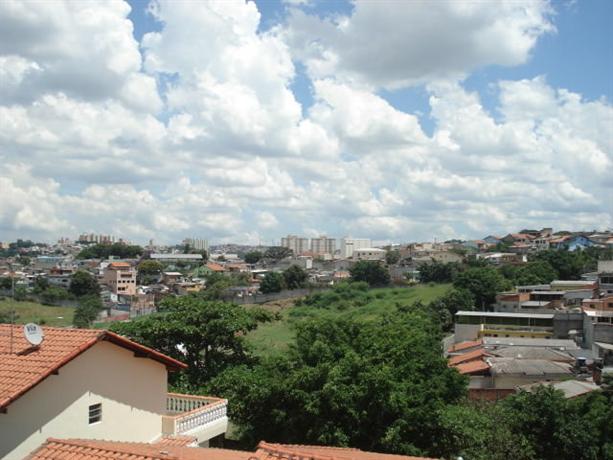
x=394, y=44
x=89, y=143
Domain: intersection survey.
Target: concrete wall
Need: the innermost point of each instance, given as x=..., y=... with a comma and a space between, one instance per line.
x=132, y=392
x=563, y=322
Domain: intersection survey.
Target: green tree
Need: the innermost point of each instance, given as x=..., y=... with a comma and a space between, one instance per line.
x=20, y=293
x=53, y=295
x=277, y=253
x=568, y=265
x=483, y=283
x=149, y=271
x=272, y=282
x=438, y=272
x=295, y=277
x=83, y=284
x=371, y=272
x=446, y=306
x=253, y=257
x=6, y=283
x=209, y=336
x=374, y=385
x=392, y=257
x=87, y=311
x=105, y=250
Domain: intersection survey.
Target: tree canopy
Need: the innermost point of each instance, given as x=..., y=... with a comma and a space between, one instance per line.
x=209, y=336
x=483, y=283
x=295, y=277
x=277, y=252
x=253, y=257
x=371, y=272
x=373, y=385
x=105, y=250
x=83, y=283
x=272, y=282
x=87, y=311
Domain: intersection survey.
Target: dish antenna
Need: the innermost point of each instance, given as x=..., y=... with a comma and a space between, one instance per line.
x=33, y=334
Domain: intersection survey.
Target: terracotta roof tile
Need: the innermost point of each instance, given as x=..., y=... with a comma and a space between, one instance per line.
x=464, y=345
x=270, y=451
x=472, y=367
x=82, y=449
x=470, y=356
x=23, y=366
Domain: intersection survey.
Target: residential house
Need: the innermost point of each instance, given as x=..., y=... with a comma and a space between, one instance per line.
x=120, y=278
x=93, y=384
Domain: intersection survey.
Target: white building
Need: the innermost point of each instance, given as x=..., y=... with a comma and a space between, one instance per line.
x=197, y=244
x=323, y=245
x=369, y=254
x=348, y=245
x=93, y=384
x=297, y=244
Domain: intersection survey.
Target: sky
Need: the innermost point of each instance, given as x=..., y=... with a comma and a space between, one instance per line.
x=236, y=121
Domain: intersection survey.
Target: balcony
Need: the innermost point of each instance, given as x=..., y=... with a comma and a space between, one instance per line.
x=199, y=416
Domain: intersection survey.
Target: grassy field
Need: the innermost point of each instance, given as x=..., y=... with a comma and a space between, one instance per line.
x=274, y=337
x=31, y=312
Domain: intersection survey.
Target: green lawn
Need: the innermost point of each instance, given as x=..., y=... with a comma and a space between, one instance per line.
x=32, y=312
x=274, y=337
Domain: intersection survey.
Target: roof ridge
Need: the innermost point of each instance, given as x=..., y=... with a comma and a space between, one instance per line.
x=280, y=450
x=119, y=447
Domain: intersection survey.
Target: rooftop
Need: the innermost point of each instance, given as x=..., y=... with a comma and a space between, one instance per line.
x=564, y=344
x=527, y=367
x=81, y=449
x=505, y=315
x=23, y=366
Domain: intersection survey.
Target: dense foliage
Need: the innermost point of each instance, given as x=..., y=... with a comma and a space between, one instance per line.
x=272, y=282
x=295, y=277
x=87, y=311
x=83, y=284
x=371, y=272
x=483, y=283
x=438, y=272
x=253, y=257
x=529, y=426
x=277, y=253
x=376, y=385
x=209, y=336
x=104, y=251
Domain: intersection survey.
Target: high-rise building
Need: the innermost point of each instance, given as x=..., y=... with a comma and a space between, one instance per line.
x=197, y=244
x=323, y=245
x=297, y=244
x=348, y=245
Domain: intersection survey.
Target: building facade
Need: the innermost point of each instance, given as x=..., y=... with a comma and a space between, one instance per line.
x=297, y=244
x=323, y=245
x=120, y=277
x=349, y=245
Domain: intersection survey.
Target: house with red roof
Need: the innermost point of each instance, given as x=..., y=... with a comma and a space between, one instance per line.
x=93, y=384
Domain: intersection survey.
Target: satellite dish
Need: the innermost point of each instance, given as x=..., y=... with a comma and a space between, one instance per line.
x=33, y=333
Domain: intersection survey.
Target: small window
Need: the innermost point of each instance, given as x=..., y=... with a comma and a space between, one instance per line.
x=95, y=413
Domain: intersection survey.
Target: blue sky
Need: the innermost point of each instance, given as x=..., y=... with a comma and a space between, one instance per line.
x=241, y=121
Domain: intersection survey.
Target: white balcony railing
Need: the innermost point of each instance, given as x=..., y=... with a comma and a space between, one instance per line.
x=187, y=413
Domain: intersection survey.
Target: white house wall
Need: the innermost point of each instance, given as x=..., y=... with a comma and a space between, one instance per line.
x=132, y=392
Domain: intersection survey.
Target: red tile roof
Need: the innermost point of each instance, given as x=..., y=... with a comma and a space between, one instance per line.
x=464, y=345
x=81, y=449
x=215, y=267
x=269, y=451
x=22, y=366
x=472, y=367
x=119, y=265
x=470, y=356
